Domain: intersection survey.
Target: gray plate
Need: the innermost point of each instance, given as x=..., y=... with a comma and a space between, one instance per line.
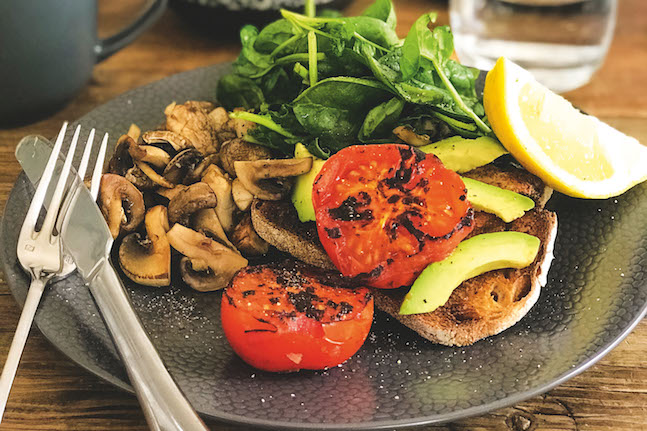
x=595, y=295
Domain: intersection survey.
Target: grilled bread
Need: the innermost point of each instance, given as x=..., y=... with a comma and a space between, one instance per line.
x=479, y=307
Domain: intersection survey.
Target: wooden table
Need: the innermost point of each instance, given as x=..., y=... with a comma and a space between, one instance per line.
x=52, y=393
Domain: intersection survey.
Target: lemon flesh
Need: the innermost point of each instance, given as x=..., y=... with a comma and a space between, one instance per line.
x=574, y=153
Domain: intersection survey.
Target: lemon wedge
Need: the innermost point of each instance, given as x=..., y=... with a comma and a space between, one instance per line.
x=574, y=153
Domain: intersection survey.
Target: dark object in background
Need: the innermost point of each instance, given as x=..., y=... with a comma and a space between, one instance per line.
x=48, y=50
x=224, y=18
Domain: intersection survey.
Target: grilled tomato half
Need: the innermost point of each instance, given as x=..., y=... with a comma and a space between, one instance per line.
x=289, y=316
x=384, y=212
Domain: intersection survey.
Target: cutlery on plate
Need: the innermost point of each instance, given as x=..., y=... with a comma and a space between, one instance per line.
x=39, y=251
x=86, y=238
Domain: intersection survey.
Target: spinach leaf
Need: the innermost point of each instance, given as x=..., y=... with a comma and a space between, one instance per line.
x=273, y=35
x=235, y=91
x=382, y=10
x=333, y=109
x=381, y=120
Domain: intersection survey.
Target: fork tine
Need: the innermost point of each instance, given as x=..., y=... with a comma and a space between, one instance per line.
x=57, y=198
x=43, y=185
x=86, y=155
x=98, y=168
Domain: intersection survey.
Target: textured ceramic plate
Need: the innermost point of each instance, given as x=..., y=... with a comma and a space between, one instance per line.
x=596, y=293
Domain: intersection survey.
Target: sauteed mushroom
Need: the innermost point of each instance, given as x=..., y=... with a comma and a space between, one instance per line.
x=266, y=179
x=195, y=197
x=149, y=154
x=192, y=121
x=407, y=134
x=247, y=240
x=121, y=203
x=211, y=266
x=161, y=137
x=242, y=197
x=147, y=260
x=221, y=186
x=180, y=168
x=237, y=149
x=206, y=222
x=139, y=179
x=121, y=160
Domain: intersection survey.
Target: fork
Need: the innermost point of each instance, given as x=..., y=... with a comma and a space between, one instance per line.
x=40, y=252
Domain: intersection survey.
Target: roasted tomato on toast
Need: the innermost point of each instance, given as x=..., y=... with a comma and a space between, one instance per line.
x=290, y=316
x=384, y=212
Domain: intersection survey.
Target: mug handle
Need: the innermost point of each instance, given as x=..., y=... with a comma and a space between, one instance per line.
x=108, y=46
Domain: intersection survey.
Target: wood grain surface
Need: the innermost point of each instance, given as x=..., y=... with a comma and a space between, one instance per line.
x=52, y=393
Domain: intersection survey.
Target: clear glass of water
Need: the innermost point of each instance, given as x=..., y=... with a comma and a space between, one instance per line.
x=562, y=42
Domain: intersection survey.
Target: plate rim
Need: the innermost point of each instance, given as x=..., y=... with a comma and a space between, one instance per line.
x=236, y=419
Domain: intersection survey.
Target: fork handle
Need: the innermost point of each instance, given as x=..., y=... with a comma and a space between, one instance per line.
x=34, y=294
x=164, y=405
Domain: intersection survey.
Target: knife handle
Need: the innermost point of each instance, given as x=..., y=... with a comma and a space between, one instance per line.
x=164, y=405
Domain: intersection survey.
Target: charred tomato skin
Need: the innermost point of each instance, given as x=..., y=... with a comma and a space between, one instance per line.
x=384, y=212
x=284, y=318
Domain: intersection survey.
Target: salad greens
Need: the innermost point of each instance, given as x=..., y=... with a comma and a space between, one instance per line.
x=330, y=81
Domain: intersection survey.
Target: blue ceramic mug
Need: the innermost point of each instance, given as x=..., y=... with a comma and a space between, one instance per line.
x=48, y=49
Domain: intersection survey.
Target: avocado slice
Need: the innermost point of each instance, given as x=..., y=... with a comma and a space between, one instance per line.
x=462, y=155
x=302, y=191
x=505, y=204
x=472, y=257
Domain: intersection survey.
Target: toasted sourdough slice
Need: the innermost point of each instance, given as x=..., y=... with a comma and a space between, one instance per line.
x=479, y=307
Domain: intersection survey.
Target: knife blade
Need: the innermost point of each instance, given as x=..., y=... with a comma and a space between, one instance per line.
x=87, y=239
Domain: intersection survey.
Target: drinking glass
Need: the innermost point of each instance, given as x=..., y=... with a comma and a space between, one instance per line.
x=562, y=42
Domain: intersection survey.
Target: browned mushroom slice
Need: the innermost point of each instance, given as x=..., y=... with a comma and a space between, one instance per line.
x=154, y=176
x=242, y=197
x=222, y=262
x=134, y=132
x=221, y=186
x=171, y=193
x=196, y=174
x=121, y=160
x=195, y=197
x=139, y=179
x=206, y=222
x=247, y=240
x=178, y=142
x=242, y=126
x=407, y=134
x=182, y=165
x=121, y=203
x=147, y=260
x=219, y=117
x=266, y=179
x=192, y=121
x=149, y=154
x=237, y=149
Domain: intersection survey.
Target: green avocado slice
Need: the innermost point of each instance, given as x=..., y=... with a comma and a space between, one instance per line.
x=462, y=155
x=472, y=257
x=302, y=191
x=505, y=204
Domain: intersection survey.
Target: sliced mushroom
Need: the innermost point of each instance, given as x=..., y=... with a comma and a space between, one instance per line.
x=192, y=121
x=121, y=160
x=149, y=154
x=237, y=149
x=266, y=179
x=178, y=142
x=154, y=176
x=171, y=193
x=219, y=117
x=134, y=132
x=121, y=203
x=247, y=240
x=222, y=262
x=206, y=222
x=221, y=186
x=407, y=134
x=147, y=260
x=179, y=169
x=195, y=197
x=242, y=197
x=139, y=179
x=208, y=160
x=242, y=126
